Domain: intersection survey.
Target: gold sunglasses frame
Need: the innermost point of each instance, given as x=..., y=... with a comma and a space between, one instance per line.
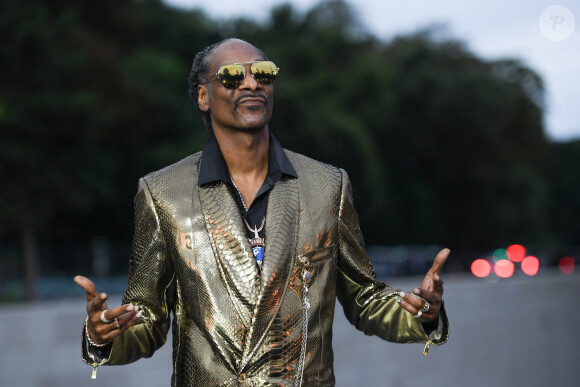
x=238, y=83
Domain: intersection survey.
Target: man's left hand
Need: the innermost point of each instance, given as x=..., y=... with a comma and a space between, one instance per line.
x=425, y=302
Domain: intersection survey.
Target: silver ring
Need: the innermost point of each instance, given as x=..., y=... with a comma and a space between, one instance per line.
x=426, y=307
x=419, y=314
x=117, y=324
x=103, y=318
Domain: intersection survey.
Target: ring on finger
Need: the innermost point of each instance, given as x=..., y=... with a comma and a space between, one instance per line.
x=103, y=318
x=426, y=307
x=117, y=323
x=419, y=314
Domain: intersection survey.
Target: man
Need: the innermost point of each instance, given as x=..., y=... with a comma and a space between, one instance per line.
x=248, y=245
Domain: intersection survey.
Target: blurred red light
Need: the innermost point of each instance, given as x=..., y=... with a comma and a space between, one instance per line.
x=530, y=265
x=504, y=268
x=566, y=265
x=480, y=268
x=516, y=253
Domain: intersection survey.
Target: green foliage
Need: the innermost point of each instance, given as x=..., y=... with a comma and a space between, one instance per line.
x=564, y=192
x=442, y=147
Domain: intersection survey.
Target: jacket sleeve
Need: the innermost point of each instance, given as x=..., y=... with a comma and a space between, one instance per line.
x=371, y=305
x=151, y=287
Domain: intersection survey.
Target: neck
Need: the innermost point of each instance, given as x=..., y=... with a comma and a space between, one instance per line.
x=246, y=155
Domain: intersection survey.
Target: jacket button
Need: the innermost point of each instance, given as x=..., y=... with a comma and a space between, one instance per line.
x=242, y=379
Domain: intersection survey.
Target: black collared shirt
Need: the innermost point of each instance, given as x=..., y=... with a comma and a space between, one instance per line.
x=214, y=168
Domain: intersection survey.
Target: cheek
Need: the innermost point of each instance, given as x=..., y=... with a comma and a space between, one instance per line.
x=219, y=102
x=270, y=105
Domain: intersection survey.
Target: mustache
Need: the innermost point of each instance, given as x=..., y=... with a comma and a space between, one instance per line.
x=240, y=98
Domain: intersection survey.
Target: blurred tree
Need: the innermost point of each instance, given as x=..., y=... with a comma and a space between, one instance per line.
x=86, y=106
x=49, y=119
x=465, y=139
x=442, y=147
x=564, y=185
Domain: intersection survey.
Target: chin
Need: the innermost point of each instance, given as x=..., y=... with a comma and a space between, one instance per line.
x=254, y=123
x=253, y=128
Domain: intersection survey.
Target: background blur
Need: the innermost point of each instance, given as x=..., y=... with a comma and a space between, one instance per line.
x=444, y=146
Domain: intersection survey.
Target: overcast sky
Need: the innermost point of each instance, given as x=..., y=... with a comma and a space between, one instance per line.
x=492, y=29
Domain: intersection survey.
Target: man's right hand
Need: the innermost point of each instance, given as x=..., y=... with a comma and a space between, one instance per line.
x=120, y=318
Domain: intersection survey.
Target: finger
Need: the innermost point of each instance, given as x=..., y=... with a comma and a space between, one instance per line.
x=439, y=262
x=111, y=314
x=434, y=300
x=119, y=319
x=433, y=284
x=129, y=318
x=98, y=304
x=105, y=316
x=405, y=305
x=413, y=302
x=109, y=331
x=409, y=304
x=428, y=282
x=88, y=286
x=425, y=295
x=437, y=285
x=120, y=311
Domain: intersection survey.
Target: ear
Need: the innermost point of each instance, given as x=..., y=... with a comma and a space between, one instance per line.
x=203, y=97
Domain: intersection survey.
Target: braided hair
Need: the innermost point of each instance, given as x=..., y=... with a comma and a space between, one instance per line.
x=200, y=69
x=199, y=75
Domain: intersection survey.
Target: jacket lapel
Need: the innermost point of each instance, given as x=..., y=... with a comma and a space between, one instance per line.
x=281, y=234
x=231, y=248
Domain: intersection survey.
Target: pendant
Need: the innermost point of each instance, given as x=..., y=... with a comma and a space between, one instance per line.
x=257, y=243
x=259, y=255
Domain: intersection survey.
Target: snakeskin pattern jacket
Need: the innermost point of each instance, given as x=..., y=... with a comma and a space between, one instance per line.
x=233, y=324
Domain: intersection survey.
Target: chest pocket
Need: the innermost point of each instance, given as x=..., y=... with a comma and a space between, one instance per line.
x=317, y=256
x=313, y=263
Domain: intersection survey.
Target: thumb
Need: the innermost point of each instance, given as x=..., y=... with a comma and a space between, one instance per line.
x=427, y=283
x=439, y=262
x=88, y=286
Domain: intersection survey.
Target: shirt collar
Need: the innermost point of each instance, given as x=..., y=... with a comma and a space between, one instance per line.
x=214, y=168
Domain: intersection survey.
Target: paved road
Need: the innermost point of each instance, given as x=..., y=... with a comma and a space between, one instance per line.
x=521, y=331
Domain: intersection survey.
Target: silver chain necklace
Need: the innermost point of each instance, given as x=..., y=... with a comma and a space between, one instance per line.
x=256, y=242
x=239, y=193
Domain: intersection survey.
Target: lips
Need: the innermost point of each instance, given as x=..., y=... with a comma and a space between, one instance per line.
x=250, y=100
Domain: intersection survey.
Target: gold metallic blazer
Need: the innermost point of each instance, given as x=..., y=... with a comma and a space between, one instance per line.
x=234, y=325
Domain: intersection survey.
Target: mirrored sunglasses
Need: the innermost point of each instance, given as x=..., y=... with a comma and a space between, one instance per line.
x=232, y=75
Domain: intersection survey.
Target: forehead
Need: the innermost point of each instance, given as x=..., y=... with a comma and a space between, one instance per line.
x=234, y=51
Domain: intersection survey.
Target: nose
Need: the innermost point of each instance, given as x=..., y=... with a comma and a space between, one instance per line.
x=249, y=82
